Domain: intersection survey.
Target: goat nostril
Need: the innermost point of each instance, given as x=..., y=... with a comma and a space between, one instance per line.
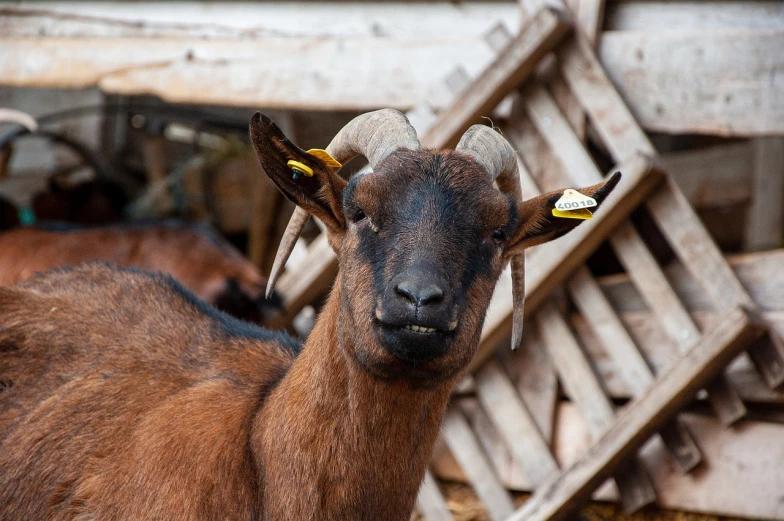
x=420, y=295
x=407, y=290
x=430, y=294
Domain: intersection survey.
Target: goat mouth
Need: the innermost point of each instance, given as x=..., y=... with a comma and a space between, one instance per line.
x=420, y=329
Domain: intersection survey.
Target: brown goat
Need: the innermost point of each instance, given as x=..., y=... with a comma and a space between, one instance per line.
x=125, y=398
x=193, y=254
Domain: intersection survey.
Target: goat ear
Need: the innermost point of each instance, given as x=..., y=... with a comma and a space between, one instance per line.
x=319, y=192
x=538, y=224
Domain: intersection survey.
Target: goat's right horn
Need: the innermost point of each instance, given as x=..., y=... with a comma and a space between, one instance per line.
x=497, y=156
x=374, y=135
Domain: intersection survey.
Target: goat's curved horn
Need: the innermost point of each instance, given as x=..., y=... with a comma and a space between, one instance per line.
x=18, y=117
x=374, y=135
x=498, y=157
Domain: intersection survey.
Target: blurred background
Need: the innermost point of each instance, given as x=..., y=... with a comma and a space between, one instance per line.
x=140, y=141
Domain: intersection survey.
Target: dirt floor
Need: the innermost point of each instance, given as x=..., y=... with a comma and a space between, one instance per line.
x=466, y=506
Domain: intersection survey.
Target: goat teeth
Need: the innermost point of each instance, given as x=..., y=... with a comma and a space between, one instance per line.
x=420, y=329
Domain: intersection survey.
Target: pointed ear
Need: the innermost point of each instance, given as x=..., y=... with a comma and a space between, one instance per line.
x=320, y=193
x=537, y=224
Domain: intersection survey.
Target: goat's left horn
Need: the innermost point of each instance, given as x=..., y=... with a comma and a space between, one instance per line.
x=20, y=118
x=498, y=157
x=374, y=135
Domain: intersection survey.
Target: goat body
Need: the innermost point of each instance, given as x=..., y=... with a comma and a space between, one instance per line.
x=126, y=398
x=194, y=255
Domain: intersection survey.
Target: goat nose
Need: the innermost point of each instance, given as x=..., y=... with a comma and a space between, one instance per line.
x=420, y=294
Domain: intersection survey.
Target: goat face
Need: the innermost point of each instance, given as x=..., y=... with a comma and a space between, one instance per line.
x=422, y=250
x=421, y=242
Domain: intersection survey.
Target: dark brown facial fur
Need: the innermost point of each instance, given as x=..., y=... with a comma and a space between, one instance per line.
x=431, y=218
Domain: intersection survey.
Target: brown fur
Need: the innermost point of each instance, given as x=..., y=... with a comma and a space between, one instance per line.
x=195, y=257
x=131, y=400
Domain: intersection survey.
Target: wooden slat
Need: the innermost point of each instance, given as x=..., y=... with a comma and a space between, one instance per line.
x=430, y=502
x=697, y=251
x=586, y=393
x=533, y=376
x=514, y=423
x=584, y=289
x=716, y=176
x=462, y=443
x=627, y=243
x=512, y=67
x=638, y=421
x=766, y=215
x=668, y=206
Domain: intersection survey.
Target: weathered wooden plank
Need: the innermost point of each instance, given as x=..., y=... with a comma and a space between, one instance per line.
x=514, y=423
x=463, y=444
x=724, y=95
x=636, y=423
x=738, y=482
x=509, y=69
x=243, y=21
x=532, y=374
x=586, y=393
x=766, y=214
x=430, y=502
x=715, y=176
x=694, y=15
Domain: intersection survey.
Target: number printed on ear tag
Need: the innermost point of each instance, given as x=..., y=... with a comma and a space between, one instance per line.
x=573, y=200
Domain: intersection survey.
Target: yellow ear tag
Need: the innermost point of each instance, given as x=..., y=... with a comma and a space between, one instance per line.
x=299, y=169
x=574, y=205
x=574, y=214
x=325, y=157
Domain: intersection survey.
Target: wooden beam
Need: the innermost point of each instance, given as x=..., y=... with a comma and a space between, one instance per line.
x=638, y=421
x=693, y=82
x=766, y=215
x=694, y=15
x=715, y=176
x=510, y=68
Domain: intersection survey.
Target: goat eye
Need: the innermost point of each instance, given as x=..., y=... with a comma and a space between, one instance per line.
x=358, y=216
x=498, y=234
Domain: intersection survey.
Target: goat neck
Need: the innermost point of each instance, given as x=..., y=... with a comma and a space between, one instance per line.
x=339, y=443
